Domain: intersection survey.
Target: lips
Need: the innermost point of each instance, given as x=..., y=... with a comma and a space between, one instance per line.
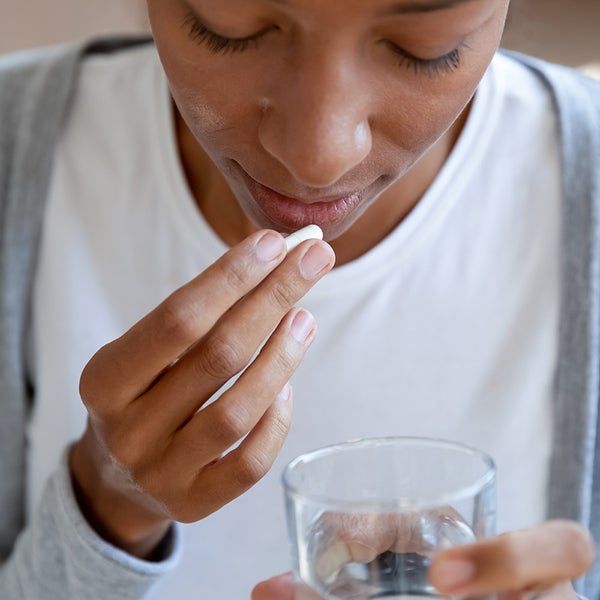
x=292, y=213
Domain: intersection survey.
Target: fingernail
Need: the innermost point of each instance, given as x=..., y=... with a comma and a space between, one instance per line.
x=332, y=560
x=314, y=261
x=302, y=326
x=285, y=393
x=269, y=247
x=454, y=573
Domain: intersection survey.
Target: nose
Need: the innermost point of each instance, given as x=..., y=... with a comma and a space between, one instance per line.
x=316, y=122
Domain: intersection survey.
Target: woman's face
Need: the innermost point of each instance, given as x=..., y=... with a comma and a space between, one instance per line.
x=312, y=108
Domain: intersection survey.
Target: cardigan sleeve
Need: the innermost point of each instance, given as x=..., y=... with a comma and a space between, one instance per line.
x=58, y=556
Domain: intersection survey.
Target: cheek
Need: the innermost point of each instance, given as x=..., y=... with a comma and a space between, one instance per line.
x=413, y=116
x=419, y=109
x=211, y=99
x=222, y=123
x=222, y=113
x=198, y=105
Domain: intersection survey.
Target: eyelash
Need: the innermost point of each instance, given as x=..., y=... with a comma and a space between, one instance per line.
x=219, y=44
x=429, y=66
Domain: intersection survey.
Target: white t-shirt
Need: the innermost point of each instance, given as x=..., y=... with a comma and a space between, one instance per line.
x=448, y=328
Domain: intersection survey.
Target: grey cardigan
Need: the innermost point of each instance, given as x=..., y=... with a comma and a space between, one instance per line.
x=57, y=556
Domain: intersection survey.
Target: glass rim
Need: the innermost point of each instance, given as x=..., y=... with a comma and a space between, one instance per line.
x=452, y=496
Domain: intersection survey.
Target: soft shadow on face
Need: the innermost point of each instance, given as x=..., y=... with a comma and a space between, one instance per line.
x=309, y=110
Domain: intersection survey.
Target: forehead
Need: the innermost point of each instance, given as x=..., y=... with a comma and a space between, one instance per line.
x=330, y=13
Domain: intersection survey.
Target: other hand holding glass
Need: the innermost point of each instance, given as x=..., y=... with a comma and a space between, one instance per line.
x=366, y=517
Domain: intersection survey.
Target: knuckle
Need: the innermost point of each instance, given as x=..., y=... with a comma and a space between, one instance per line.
x=92, y=382
x=229, y=425
x=235, y=274
x=177, y=318
x=126, y=449
x=280, y=426
x=282, y=295
x=252, y=467
x=221, y=358
x=285, y=362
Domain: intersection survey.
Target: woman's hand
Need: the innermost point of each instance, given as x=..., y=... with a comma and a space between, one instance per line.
x=541, y=561
x=154, y=450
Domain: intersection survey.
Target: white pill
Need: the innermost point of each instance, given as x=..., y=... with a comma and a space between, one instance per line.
x=310, y=232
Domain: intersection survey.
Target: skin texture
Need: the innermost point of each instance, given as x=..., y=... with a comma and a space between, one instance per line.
x=325, y=101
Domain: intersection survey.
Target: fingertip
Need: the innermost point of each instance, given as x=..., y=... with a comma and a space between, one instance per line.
x=284, y=406
x=579, y=544
x=318, y=259
x=280, y=587
x=286, y=394
x=303, y=326
x=270, y=246
x=449, y=574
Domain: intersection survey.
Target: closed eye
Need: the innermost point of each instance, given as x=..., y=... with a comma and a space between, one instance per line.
x=430, y=66
x=219, y=44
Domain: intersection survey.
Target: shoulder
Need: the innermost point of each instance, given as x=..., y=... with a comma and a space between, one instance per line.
x=28, y=75
x=575, y=99
x=26, y=61
x=569, y=88
x=36, y=91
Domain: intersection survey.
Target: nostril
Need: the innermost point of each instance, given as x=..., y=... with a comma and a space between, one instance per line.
x=316, y=151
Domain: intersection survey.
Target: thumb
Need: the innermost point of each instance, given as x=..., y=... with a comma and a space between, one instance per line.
x=283, y=587
x=276, y=588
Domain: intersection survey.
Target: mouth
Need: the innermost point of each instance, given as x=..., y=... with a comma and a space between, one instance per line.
x=291, y=213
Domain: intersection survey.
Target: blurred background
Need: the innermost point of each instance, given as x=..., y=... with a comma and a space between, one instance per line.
x=566, y=31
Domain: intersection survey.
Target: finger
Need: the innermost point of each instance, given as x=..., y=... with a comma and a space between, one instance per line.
x=536, y=558
x=351, y=538
x=560, y=591
x=234, y=340
x=223, y=423
x=303, y=592
x=276, y=588
x=283, y=587
x=123, y=369
x=237, y=471
x=361, y=538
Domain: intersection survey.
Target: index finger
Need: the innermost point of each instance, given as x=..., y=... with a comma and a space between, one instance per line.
x=537, y=558
x=164, y=334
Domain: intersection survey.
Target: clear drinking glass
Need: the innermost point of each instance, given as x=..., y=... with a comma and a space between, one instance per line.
x=366, y=517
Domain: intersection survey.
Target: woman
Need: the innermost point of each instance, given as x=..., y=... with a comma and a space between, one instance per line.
x=444, y=316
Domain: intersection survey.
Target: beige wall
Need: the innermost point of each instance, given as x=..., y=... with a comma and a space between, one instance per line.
x=27, y=23
x=563, y=30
